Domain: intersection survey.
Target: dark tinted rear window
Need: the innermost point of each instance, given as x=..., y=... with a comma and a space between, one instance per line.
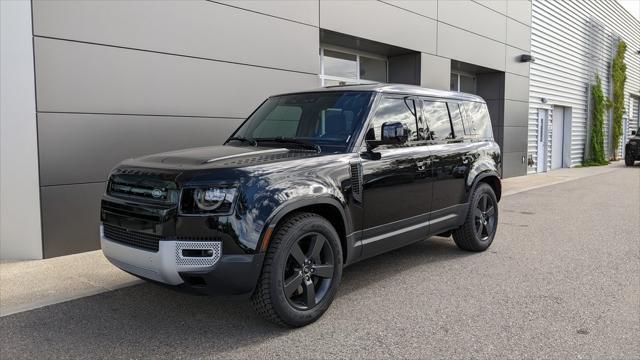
x=477, y=116
x=438, y=122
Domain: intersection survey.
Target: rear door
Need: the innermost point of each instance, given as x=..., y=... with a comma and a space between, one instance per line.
x=450, y=162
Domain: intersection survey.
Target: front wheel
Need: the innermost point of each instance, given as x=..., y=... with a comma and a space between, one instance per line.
x=481, y=223
x=301, y=272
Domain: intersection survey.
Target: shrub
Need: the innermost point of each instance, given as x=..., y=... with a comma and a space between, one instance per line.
x=597, y=124
x=619, y=77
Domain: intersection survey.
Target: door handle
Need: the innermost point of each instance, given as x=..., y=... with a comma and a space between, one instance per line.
x=422, y=164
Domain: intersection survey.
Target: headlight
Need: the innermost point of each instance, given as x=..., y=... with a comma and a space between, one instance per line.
x=216, y=200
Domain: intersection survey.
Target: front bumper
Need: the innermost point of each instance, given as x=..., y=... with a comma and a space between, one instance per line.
x=215, y=274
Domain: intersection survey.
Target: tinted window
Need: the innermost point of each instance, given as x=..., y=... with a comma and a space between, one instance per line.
x=479, y=120
x=438, y=122
x=327, y=119
x=394, y=110
x=456, y=120
x=282, y=121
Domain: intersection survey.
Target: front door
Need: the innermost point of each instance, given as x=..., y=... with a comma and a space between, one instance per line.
x=542, y=141
x=396, y=188
x=557, y=137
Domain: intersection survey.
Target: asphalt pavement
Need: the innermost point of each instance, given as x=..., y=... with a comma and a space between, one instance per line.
x=561, y=280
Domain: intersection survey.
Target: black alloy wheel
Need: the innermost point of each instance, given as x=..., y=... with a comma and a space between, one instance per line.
x=301, y=271
x=308, y=271
x=481, y=223
x=484, y=217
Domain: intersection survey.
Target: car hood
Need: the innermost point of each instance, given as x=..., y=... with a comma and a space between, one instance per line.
x=219, y=156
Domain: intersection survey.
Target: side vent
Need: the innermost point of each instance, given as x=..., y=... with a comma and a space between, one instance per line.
x=356, y=181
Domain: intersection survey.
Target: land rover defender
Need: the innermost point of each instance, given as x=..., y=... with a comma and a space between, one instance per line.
x=310, y=182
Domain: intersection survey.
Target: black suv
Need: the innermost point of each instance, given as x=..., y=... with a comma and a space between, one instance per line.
x=311, y=182
x=632, y=149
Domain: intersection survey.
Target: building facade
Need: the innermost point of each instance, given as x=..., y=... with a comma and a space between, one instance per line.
x=86, y=84
x=572, y=41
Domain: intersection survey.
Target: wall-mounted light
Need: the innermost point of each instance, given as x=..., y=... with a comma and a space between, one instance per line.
x=527, y=58
x=543, y=100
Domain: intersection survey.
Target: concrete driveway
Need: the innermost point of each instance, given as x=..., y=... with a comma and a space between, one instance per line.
x=562, y=280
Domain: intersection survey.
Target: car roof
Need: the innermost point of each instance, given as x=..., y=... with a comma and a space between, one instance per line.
x=396, y=89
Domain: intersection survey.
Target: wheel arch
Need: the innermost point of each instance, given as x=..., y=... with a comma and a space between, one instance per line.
x=326, y=206
x=492, y=179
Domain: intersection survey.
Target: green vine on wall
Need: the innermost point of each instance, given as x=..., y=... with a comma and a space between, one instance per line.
x=597, y=124
x=618, y=77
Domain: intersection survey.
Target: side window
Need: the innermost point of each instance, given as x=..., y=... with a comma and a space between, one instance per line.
x=282, y=121
x=437, y=117
x=395, y=110
x=456, y=120
x=480, y=122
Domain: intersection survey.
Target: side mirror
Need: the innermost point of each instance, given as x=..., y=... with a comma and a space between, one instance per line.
x=393, y=133
x=633, y=132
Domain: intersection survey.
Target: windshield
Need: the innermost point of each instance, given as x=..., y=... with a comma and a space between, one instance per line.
x=326, y=120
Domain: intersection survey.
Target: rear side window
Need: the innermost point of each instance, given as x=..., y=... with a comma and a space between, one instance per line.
x=456, y=120
x=477, y=116
x=438, y=123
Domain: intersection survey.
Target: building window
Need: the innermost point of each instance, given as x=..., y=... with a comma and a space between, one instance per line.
x=463, y=82
x=342, y=67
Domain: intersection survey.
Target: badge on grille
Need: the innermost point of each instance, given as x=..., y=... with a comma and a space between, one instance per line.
x=157, y=193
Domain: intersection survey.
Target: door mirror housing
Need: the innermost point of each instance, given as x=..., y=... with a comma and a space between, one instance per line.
x=393, y=133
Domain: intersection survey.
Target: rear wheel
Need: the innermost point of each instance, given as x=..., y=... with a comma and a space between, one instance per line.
x=301, y=271
x=479, y=228
x=628, y=159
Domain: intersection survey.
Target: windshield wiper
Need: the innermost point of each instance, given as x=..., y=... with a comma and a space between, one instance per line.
x=301, y=143
x=253, y=142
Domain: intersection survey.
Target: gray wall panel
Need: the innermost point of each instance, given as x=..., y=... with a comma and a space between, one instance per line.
x=516, y=113
x=518, y=35
x=77, y=148
x=426, y=8
x=497, y=5
x=76, y=77
x=196, y=28
x=473, y=17
x=513, y=64
x=513, y=165
x=301, y=11
x=516, y=87
x=70, y=218
x=435, y=72
x=476, y=50
x=513, y=140
x=362, y=18
x=519, y=10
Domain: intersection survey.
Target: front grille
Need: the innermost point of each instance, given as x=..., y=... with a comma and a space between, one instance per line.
x=144, y=187
x=132, y=238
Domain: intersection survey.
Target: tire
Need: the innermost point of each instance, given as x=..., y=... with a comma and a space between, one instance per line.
x=298, y=280
x=481, y=223
x=628, y=159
